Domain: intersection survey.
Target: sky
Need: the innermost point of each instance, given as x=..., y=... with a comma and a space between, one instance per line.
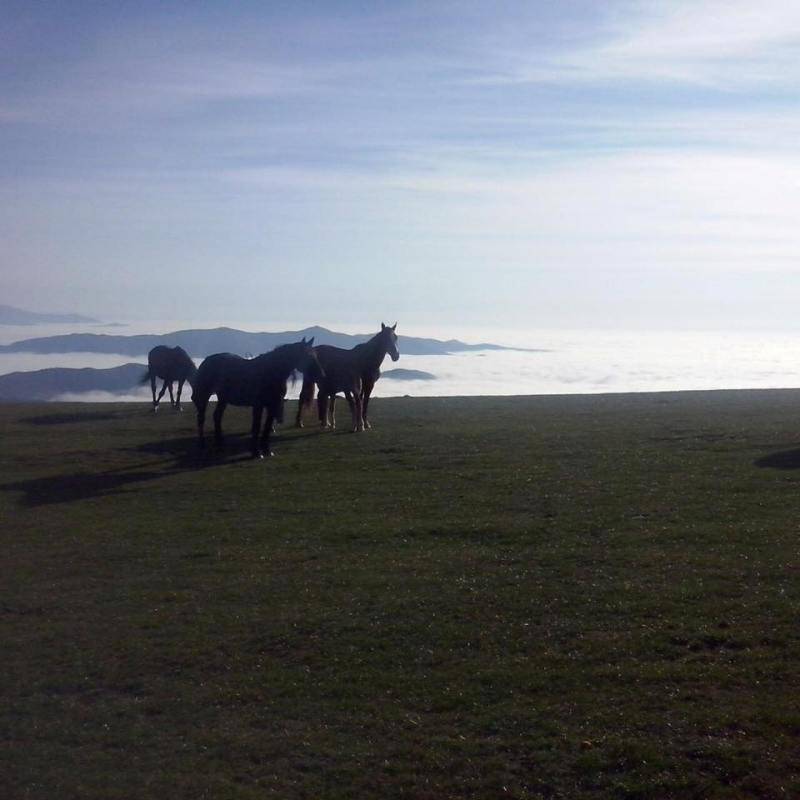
x=501, y=164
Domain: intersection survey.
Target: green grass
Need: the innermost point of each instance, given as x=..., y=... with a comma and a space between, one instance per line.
x=572, y=597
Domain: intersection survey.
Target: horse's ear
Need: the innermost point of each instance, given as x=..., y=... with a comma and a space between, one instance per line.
x=311, y=341
x=383, y=327
x=394, y=326
x=304, y=340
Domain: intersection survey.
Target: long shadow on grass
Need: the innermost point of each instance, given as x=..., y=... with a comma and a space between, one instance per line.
x=187, y=454
x=178, y=455
x=67, y=418
x=785, y=459
x=69, y=488
x=74, y=487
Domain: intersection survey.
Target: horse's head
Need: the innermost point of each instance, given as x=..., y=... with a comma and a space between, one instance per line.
x=389, y=340
x=309, y=364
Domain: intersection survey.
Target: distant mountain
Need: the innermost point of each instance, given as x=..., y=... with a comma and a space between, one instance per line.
x=408, y=375
x=202, y=342
x=18, y=316
x=46, y=384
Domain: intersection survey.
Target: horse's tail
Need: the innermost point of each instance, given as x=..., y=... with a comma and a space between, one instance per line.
x=145, y=378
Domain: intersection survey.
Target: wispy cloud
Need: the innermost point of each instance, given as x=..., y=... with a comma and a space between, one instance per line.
x=735, y=45
x=294, y=153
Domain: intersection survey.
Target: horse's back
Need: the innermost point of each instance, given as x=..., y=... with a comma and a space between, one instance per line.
x=210, y=372
x=158, y=354
x=234, y=379
x=342, y=370
x=171, y=363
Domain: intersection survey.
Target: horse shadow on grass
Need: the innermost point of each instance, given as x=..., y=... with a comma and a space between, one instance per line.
x=184, y=452
x=784, y=459
x=68, y=418
x=70, y=488
x=176, y=455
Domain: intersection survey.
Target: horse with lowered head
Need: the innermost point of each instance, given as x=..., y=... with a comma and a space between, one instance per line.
x=352, y=372
x=170, y=364
x=258, y=382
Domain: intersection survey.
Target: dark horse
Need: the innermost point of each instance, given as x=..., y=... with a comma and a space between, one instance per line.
x=353, y=372
x=170, y=364
x=258, y=382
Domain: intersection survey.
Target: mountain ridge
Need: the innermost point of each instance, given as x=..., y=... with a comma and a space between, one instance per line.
x=11, y=315
x=201, y=342
x=47, y=384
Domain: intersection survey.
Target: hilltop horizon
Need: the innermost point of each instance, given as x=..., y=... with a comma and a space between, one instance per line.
x=204, y=341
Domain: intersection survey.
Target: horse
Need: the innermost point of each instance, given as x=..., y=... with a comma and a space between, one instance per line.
x=353, y=372
x=171, y=364
x=259, y=382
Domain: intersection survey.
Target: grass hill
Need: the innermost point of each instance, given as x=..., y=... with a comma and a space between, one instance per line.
x=539, y=597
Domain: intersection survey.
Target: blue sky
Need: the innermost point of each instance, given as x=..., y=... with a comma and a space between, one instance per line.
x=502, y=164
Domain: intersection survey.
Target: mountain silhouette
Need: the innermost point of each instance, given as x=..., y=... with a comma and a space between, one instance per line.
x=200, y=343
x=47, y=384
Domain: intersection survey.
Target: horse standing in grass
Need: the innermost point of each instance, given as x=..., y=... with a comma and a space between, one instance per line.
x=259, y=382
x=170, y=364
x=353, y=372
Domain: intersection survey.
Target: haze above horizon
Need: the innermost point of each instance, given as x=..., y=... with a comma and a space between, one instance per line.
x=572, y=164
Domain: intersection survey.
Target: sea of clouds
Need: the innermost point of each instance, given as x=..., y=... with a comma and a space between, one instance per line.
x=560, y=361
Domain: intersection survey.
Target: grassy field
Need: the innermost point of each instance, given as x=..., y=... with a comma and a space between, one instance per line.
x=539, y=597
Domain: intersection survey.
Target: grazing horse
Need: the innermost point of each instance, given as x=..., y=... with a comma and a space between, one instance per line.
x=353, y=372
x=170, y=364
x=259, y=382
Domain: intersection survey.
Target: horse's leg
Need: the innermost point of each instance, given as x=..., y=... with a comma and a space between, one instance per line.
x=178, y=399
x=333, y=412
x=153, y=390
x=306, y=396
x=161, y=393
x=365, y=395
x=171, y=396
x=268, y=426
x=355, y=407
x=201, y=406
x=322, y=409
x=218, y=412
x=255, y=431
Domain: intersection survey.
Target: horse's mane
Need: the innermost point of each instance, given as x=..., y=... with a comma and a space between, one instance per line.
x=276, y=352
x=371, y=342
